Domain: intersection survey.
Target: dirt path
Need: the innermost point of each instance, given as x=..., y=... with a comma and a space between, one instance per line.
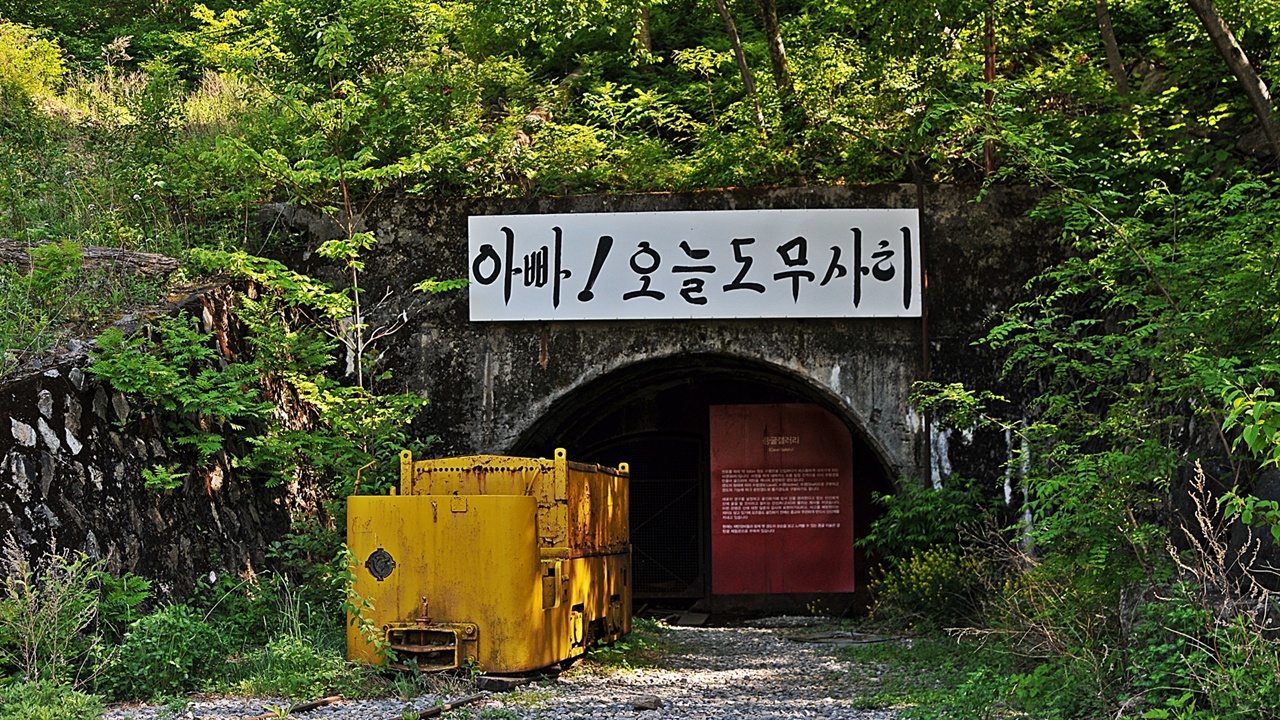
x=709, y=673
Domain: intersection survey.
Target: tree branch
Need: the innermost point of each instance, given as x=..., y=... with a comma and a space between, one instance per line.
x=1238, y=62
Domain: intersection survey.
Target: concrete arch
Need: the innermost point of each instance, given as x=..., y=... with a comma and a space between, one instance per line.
x=524, y=374
x=631, y=377
x=654, y=413
x=492, y=385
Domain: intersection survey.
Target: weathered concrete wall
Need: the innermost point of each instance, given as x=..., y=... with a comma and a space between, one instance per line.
x=490, y=384
x=72, y=450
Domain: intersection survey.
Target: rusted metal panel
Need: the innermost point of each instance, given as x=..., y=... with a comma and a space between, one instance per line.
x=580, y=506
x=598, y=505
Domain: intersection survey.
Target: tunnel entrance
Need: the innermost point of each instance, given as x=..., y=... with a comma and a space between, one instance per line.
x=655, y=416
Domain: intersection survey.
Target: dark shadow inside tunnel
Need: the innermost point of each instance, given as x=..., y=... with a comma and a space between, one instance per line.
x=654, y=415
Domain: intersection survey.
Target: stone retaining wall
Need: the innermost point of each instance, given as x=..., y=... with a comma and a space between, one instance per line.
x=72, y=451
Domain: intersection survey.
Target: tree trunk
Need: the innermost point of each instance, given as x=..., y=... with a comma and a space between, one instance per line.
x=989, y=97
x=777, y=53
x=734, y=40
x=1114, y=62
x=1231, y=52
x=14, y=252
x=644, y=38
x=792, y=111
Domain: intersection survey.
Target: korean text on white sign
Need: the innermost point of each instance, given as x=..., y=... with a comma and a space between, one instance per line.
x=708, y=264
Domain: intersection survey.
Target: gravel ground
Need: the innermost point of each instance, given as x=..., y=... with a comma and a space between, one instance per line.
x=706, y=674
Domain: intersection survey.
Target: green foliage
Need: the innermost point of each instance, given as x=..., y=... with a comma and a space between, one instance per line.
x=159, y=477
x=260, y=637
x=172, y=367
x=172, y=650
x=120, y=603
x=1253, y=511
x=46, y=700
x=309, y=553
x=58, y=300
x=244, y=611
x=295, y=667
x=930, y=677
x=1166, y=634
x=161, y=127
x=1254, y=413
x=302, y=653
x=433, y=286
x=934, y=588
x=1061, y=687
x=1192, y=663
x=31, y=67
x=917, y=517
x=290, y=289
x=957, y=405
x=333, y=102
x=45, y=612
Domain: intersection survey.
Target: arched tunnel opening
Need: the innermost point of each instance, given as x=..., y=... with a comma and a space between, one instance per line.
x=656, y=416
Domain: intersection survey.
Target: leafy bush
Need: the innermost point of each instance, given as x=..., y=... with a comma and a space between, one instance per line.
x=917, y=517
x=46, y=700
x=310, y=553
x=937, y=587
x=284, y=645
x=246, y=612
x=1188, y=662
x=172, y=650
x=121, y=603
x=31, y=67
x=296, y=667
x=334, y=430
x=1206, y=646
x=933, y=578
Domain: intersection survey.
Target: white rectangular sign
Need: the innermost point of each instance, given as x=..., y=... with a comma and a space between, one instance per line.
x=695, y=264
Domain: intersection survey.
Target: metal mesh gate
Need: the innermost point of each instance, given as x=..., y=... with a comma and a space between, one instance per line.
x=668, y=513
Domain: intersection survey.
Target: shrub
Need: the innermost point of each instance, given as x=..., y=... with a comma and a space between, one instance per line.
x=938, y=587
x=173, y=650
x=918, y=517
x=1207, y=647
x=1190, y=663
x=297, y=667
x=30, y=67
x=46, y=700
x=122, y=598
x=44, y=615
x=245, y=611
x=305, y=656
x=1061, y=687
x=932, y=580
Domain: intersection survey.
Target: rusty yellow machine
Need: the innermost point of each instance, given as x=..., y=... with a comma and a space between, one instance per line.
x=502, y=563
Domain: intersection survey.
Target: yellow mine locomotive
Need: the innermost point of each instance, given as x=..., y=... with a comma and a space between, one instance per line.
x=509, y=564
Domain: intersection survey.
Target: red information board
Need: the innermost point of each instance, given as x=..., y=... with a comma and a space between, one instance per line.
x=781, y=500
